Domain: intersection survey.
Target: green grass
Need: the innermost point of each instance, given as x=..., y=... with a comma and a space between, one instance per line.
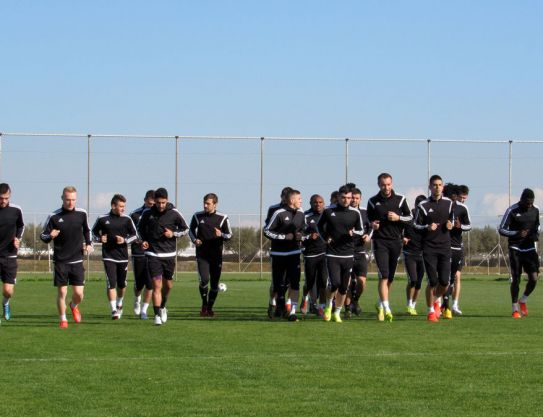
x=241, y=364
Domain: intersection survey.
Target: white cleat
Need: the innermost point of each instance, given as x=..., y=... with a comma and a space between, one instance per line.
x=456, y=311
x=137, y=308
x=164, y=314
x=143, y=315
x=158, y=321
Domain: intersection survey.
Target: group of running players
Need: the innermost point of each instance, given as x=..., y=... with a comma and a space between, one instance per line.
x=334, y=240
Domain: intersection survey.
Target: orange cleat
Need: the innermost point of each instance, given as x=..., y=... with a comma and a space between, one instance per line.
x=432, y=317
x=523, y=309
x=76, y=313
x=63, y=324
x=516, y=315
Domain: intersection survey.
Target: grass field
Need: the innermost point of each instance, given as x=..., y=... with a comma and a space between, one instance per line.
x=241, y=364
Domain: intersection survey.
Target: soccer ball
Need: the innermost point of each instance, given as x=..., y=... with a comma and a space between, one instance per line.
x=222, y=287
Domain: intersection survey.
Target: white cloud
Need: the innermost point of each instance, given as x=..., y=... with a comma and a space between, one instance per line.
x=496, y=204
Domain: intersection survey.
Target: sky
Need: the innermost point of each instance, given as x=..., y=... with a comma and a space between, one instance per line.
x=458, y=70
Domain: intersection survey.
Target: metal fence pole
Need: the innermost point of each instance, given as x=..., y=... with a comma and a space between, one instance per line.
x=89, y=160
x=176, y=196
x=510, y=169
x=239, y=242
x=429, y=162
x=346, y=160
x=261, y=201
x=0, y=156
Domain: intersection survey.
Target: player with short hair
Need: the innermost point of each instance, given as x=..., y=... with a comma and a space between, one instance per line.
x=208, y=230
x=314, y=256
x=159, y=227
x=388, y=213
x=434, y=216
x=68, y=229
x=520, y=224
x=11, y=232
x=115, y=231
x=337, y=226
x=142, y=276
x=285, y=230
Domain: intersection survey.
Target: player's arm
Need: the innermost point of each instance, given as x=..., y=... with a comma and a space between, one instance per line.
x=225, y=229
x=181, y=228
x=131, y=234
x=405, y=212
x=49, y=232
x=271, y=230
x=87, y=234
x=97, y=231
x=506, y=224
x=421, y=220
x=193, y=229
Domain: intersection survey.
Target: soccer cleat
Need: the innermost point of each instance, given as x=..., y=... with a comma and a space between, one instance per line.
x=270, y=311
x=120, y=311
x=523, y=309
x=348, y=312
x=437, y=309
x=447, y=314
x=137, y=308
x=456, y=311
x=320, y=312
x=143, y=315
x=203, y=311
x=380, y=312
x=432, y=317
x=288, y=306
x=411, y=311
x=337, y=318
x=357, y=309
x=292, y=317
x=389, y=316
x=164, y=314
x=63, y=324
x=516, y=315
x=327, y=313
x=115, y=315
x=210, y=313
x=7, y=312
x=76, y=313
x=158, y=320
x=305, y=306
x=313, y=309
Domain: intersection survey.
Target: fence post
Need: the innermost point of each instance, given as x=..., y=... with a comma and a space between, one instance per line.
x=88, y=194
x=429, y=162
x=261, y=200
x=346, y=160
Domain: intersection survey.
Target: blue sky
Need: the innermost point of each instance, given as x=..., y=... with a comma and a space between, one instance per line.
x=380, y=69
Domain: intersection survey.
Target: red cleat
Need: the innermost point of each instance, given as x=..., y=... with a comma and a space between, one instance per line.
x=432, y=317
x=437, y=309
x=210, y=313
x=76, y=313
x=63, y=324
x=516, y=315
x=203, y=311
x=523, y=309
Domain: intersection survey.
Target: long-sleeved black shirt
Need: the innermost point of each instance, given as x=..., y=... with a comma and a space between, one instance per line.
x=151, y=228
x=202, y=227
x=74, y=231
x=312, y=247
x=136, y=244
x=11, y=226
x=282, y=228
x=359, y=245
x=434, y=211
x=414, y=245
x=113, y=225
x=378, y=208
x=460, y=212
x=336, y=225
x=516, y=219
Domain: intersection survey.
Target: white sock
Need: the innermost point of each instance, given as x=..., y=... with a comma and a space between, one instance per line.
x=386, y=305
x=293, y=308
x=289, y=301
x=63, y=317
x=120, y=301
x=431, y=309
x=337, y=310
x=523, y=299
x=515, y=307
x=329, y=303
x=113, y=306
x=138, y=298
x=455, y=304
x=144, y=307
x=272, y=301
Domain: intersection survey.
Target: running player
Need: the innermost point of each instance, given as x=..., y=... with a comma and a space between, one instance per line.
x=285, y=230
x=337, y=226
x=11, y=233
x=159, y=227
x=208, y=230
x=361, y=259
x=69, y=230
x=142, y=277
x=414, y=264
x=388, y=213
x=434, y=216
x=314, y=256
x=520, y=224
x=115, y=231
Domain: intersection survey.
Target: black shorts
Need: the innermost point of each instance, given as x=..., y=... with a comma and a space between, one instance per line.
x=8, y=270
x=386, y=254
x=437, y=263
x=161, y=268
x=69, y=274
x=360, y=265
x=527, y=261
x=339, y=273
x=414, y=268
x=142, y=277
x=115, y=274
x=457, y=262
x=315, y=271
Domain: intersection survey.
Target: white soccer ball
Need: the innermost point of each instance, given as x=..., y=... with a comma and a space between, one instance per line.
x=222, y=287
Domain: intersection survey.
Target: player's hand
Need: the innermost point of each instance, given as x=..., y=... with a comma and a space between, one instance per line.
x=120, y=239
x=449, y=225
x=433, y=226
x=168, y=233
x=375, y=225
x=54, y=233
x=314, y=235
x=289, y=236
x=393, y=217
x=145, y=245
x=298, y=236
x=218, y=232
x=103, y=238
x=365, y=238
x=405, y=241
x=457, y=223
x=197, y=242
x=524, y=232
x=88, y=249
x=351, y=232
x=16, y=243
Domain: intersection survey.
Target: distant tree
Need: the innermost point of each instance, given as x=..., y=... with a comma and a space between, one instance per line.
x=482, y=240
x=31, y=239
x=249, y=245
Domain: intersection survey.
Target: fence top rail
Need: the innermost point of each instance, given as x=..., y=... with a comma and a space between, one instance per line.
x=273, y=138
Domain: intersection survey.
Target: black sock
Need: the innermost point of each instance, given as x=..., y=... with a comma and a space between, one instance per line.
x=156, y=310
x=203, y=295
x=212, y=298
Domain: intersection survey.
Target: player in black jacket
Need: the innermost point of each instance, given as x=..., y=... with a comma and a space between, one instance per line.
x=115, y=231
x=414, y=264
x=159, y=227
x=434, y=216
x=142, y=276
x=208, y=230
x=285, y=230
x=520, y=224
x=11, y=233
x=388, y=213
x=337, y=226
x=69, y=230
